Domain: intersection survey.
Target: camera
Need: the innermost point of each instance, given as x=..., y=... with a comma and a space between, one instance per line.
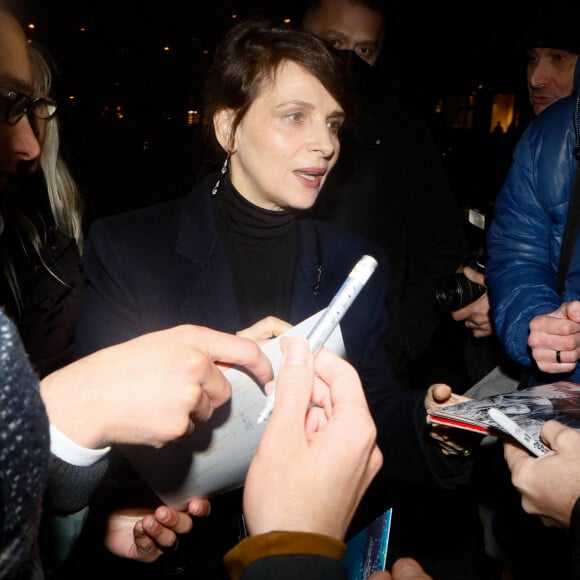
x=454, y=291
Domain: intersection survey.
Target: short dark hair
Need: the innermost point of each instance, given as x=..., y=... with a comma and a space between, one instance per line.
x=376, y=5
x=250, y=54
x=551, y=26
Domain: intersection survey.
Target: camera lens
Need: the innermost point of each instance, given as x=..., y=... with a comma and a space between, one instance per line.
x=456, y=291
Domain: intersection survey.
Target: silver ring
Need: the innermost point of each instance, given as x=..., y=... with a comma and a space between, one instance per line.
x=558, y=360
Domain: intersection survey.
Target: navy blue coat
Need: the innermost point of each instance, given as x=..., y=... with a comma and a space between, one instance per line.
x=165, y=265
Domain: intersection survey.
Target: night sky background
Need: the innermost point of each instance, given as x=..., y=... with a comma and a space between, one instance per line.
x=110, y=53
x=447, y=43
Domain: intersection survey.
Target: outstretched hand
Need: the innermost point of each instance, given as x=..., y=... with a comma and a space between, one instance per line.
x=144, y=535
x=172, y=372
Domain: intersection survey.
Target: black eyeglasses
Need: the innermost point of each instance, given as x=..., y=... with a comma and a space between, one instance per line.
x=19, y=104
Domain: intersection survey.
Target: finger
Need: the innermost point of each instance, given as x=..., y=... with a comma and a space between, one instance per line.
x=441, y=396
x=174, y=520
x=441, y=393
x=552, y=432
x=205, y=406
x=235, y=350
x=438, y=435
x=381, y=575
x=349, y=404
x=272, y=326
x=163, y=537
x=321, y=395
x=455, y=446
x=316, y=420
x=157, y=533
x=473, y=275
x=573, y=310
x=145, y=547
x=409, y=569
x=265, y=329
x=199, y=507
x=449, y=451
x=514, y=455
x=346, y=384
x=293, y=386
x=547, y=360
x=549, y=522
x=212, y=382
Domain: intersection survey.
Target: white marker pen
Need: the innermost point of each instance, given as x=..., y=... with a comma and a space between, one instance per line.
x=330, y=318
x=535, y=446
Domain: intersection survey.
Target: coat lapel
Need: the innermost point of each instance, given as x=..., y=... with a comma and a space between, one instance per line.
x=210, y=297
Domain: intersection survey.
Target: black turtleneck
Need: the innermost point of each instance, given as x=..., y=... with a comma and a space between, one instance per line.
x=261, y=245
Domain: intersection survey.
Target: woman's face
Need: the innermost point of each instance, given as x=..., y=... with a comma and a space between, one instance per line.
x=287, y=142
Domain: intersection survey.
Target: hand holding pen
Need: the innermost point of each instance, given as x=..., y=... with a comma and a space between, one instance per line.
x=550, y=484
x=532, y=444
x=313, y=463
x=331, y=317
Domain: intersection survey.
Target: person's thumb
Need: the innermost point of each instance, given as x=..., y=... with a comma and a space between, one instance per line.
x=573, y=310
x=409, y=569
x=441, y=393
x=380, y=576
x=295, y=380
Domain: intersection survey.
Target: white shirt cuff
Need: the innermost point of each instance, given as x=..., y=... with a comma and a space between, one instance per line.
x=69, y=451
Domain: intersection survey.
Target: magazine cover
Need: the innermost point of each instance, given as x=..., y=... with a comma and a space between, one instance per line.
x=530, y=408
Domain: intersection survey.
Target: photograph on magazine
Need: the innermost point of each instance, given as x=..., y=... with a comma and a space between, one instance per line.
x=530, y=408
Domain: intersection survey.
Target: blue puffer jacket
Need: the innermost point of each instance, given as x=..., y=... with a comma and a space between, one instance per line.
x=525, y=236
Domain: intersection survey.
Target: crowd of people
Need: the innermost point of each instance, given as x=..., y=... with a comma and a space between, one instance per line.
x=117, y=333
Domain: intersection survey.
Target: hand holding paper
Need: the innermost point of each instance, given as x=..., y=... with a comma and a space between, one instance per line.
x=215, y=457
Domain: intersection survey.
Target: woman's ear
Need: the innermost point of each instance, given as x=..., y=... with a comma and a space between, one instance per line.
x=222, y=125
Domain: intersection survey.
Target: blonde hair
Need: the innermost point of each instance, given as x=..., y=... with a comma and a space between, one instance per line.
x=63, y=194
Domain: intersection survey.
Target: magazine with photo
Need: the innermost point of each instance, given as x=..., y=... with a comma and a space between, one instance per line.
x=530, y=408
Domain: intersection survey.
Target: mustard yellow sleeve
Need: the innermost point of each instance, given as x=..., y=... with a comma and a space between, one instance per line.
x=277, y=543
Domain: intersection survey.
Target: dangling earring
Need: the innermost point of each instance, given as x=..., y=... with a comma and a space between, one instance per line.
x=223, y=171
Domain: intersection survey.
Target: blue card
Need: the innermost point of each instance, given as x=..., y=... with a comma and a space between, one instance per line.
x=367, y=551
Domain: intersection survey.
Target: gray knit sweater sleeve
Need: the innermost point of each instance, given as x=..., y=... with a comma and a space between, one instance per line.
x=69, y=486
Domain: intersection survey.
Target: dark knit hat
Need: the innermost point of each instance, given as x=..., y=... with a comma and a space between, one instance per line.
x=24, y=452
x=551, y=26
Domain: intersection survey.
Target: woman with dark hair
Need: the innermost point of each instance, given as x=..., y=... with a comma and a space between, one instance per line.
x=242, y=252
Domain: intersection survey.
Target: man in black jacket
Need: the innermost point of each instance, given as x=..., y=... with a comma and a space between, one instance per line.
x=389, y=185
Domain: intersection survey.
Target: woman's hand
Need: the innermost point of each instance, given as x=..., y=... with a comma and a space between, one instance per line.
x=265, y=330
x=144, y=534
